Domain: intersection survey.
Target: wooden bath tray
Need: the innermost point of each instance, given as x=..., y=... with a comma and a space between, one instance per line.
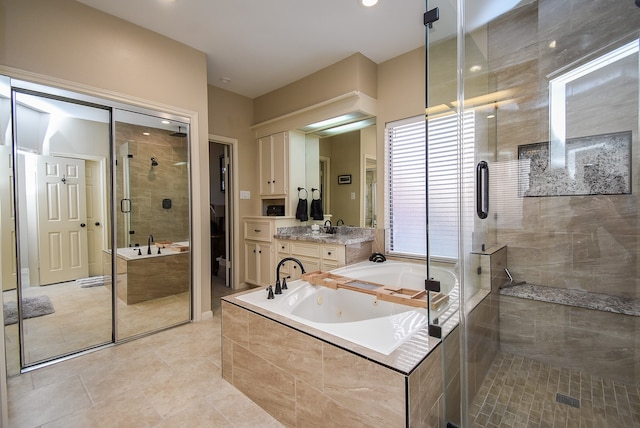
x=403, y=296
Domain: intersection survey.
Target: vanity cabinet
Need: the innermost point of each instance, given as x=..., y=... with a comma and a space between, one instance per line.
x=282, y=170
x=314, y=256
x=258, y=263
x=274, y=161
x=259, y=248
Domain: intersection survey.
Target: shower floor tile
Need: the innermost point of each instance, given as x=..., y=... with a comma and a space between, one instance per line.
x=521, y=392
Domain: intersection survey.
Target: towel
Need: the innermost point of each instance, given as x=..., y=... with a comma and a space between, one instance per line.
x=316, y=209
x=301, y=211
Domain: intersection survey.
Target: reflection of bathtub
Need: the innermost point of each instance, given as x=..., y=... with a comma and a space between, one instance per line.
x=150, y=276
x=358, y=317
x=131, y=253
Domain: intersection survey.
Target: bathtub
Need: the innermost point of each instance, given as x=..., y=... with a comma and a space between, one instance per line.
x=354, y=316
x=131, y=253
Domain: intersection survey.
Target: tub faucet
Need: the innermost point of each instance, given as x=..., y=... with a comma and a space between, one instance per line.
x=279, y=287
x=149, y=241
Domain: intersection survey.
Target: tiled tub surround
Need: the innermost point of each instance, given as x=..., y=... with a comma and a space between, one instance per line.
x=583, y=331
x=307, y=377
x=359, y=317
x=147, y=277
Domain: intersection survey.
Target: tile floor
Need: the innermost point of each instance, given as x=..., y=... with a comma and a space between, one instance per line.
x=82, y=319
x=169, y=379
x=520, y=392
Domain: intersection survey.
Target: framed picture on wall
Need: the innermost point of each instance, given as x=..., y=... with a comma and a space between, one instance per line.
x=344, y=179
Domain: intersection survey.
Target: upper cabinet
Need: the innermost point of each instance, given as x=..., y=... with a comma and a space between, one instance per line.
x=274, y=155
x=282, y=170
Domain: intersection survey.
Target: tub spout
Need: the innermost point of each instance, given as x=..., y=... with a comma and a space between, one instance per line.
x=279, y=287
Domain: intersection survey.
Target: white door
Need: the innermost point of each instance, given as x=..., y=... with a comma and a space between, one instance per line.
x=95, y=214
x=7, y=219
x=62, y=219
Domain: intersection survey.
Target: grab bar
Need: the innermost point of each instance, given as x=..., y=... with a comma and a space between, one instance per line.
x=482, y=189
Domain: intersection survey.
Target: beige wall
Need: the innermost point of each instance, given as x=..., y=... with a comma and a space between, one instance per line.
x=80, y=48
x=231, y=116
x=354, y=73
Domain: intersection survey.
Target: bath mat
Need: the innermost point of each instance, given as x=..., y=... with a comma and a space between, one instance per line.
x=93, y=281
x=31, y=307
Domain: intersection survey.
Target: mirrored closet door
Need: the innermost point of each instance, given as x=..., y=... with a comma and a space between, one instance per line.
x=81, y=176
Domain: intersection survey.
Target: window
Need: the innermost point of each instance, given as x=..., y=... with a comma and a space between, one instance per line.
x=407, y=183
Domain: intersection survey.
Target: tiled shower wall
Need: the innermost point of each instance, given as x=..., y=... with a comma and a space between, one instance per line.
x=583, y=242
x=150, y=185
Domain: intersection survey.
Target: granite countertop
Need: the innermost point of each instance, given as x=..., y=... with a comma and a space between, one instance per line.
x=576, y=298
x=344, y=235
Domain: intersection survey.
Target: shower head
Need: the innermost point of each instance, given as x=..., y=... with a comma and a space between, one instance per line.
x=154, y=162
x=179, y=133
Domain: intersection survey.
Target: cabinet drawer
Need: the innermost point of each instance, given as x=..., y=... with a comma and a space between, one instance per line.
x=283, y=247
x=308, y=250
x=330, y=253
x=329, y=265
x=258, y=230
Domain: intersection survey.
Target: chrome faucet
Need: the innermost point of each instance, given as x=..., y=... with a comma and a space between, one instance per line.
x=279, y=287
x=149, y=241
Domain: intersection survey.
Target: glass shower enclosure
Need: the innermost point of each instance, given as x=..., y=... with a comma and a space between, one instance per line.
x=546, y=95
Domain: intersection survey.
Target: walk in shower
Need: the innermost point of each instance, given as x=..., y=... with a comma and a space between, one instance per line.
x=546, y=96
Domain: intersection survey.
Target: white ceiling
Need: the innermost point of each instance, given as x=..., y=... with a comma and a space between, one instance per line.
x=261, y=45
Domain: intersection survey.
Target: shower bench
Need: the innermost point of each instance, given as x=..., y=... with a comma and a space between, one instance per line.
x=591, y=332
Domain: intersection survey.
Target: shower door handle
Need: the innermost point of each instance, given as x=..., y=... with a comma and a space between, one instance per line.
x=125, y=205
x=482, y=189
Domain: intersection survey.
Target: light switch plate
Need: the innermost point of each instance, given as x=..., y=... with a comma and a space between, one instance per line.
x=245, y=194
x=353, y=195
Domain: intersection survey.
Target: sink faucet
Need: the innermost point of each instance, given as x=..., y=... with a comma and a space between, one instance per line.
x=279, y=287
x=149, y=241
x=340, y=221
x=327, y=221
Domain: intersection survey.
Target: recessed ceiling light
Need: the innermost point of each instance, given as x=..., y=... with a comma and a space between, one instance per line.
x=552, y=44
x=369, y=3
x=475, y=68
x=145, y=133
x=225, y=80
x=166, y=122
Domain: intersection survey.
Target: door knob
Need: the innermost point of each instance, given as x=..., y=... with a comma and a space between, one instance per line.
x=83, y=224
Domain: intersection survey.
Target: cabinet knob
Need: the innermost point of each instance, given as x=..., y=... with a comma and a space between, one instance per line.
x=329, y=253
x=260, y=252
x=254, y=251
x=257, y=230
x=295, y=266
x=283, y=247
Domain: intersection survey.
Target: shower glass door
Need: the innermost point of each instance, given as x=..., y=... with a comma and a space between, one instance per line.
x=550, y=330
x=60, y=155
x=153, y=262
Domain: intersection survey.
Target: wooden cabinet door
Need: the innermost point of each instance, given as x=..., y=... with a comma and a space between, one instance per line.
x=251, y=265
x=265, y=264
x=279, y=164
x=264, y=151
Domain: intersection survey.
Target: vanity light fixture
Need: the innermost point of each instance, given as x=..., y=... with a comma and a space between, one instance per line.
x=369, y=3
